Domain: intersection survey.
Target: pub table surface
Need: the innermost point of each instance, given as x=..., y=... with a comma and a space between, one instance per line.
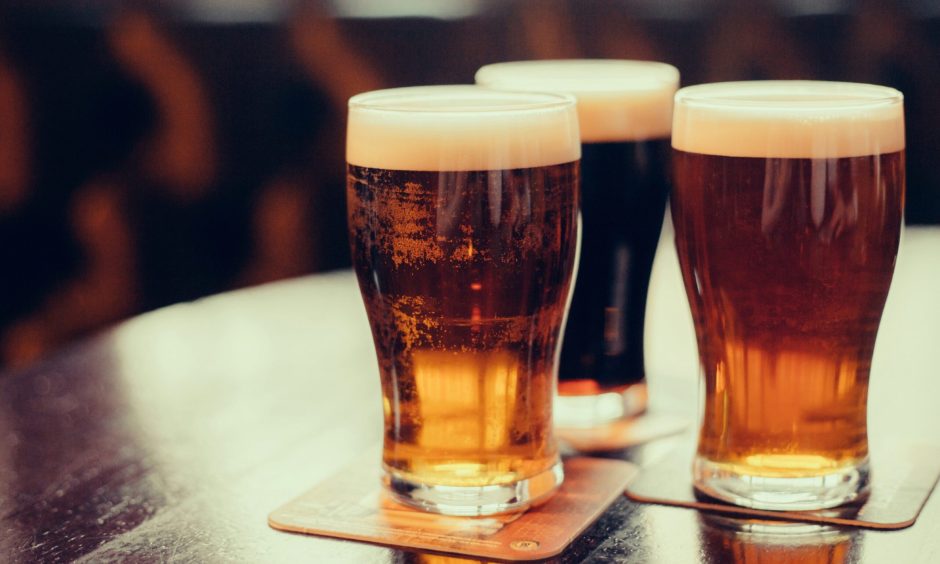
x=172, y=436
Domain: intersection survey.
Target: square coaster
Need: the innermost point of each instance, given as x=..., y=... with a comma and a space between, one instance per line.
x=902, y=478
x=621, y=434
x=353, y=505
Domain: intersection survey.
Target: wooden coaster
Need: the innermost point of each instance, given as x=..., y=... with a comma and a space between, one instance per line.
x=623, y=433
x=353, y=505
x=902, y=479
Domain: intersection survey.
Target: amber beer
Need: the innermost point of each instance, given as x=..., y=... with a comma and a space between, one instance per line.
x=625, y=115
x=462, y=207
x=787, y=209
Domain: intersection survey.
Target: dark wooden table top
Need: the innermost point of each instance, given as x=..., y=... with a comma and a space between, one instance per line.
x=171, y=437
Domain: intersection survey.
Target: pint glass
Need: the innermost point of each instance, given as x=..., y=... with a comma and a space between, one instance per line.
x=462, y=208
x=625, y=114
x=787, y=208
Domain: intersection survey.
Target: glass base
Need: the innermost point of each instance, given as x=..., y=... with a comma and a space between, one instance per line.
x=597, y=410
x=469, y=501
x=803, y=493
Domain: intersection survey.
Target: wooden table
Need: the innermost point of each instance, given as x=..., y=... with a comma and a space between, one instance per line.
x=172, y=436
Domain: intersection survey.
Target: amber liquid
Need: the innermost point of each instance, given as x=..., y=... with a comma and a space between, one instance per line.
x=772, y=546
x=465, y=277
x=787, y=264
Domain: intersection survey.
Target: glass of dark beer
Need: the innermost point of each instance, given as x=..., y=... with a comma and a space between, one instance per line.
x=787, y=208
x=462, y=209
x=625, y=114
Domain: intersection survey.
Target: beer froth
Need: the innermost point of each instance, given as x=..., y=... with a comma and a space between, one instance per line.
x=617, y=100
x=460, y=128
x=789, y=119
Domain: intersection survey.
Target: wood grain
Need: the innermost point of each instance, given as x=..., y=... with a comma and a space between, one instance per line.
x=171, y=437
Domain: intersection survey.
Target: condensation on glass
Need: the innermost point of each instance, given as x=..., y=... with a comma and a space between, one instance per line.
x=463, y=217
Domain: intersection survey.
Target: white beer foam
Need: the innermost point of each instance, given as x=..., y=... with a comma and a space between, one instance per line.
x=618, y=100
x=788, y=119
x=460, y=127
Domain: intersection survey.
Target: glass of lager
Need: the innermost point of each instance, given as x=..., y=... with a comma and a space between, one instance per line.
x=463, y=216
x=787, y=207
x=625, y=115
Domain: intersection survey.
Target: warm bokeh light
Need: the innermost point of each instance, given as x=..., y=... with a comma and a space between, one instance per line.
x=211, y=132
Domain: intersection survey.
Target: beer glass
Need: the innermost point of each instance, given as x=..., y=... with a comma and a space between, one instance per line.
x=462, y=209
x=625, y=115
x=787, y=208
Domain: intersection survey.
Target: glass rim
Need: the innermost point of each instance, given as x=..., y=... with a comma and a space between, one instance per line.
x=637, y=75
x=790, y=95
x=457, y=99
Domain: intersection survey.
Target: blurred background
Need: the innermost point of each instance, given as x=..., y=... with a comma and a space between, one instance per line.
x=156, y=152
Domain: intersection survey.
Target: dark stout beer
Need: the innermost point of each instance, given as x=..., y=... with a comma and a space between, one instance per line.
x=787, y=259
x=623, y=197
x=464, y=260
x=625, y=112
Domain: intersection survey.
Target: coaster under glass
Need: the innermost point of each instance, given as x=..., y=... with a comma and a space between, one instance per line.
x=902, y=479
x=354, y=505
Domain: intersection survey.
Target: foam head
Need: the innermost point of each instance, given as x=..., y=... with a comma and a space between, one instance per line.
x=617, y=100
x=789, y=119
x=445, y=128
